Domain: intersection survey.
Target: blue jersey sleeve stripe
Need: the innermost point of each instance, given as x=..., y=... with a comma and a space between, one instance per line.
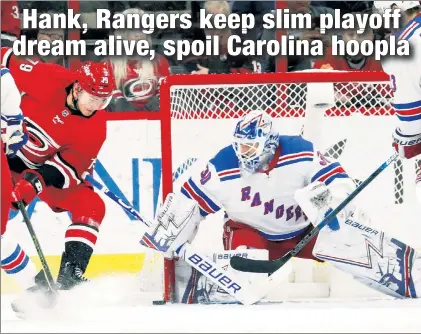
x=409, y=118
x=324, y=171
x=290, y=162
x=202, y=212
x=230, y=177
x=336, y=176
x=4, y=71
x=413, y=32
x=408, y=30
x=410, y=105
x=185, y=193
x=208, y=201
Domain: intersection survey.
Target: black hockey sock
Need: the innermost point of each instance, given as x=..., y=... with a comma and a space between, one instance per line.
x=79, y=242
x=77, y=253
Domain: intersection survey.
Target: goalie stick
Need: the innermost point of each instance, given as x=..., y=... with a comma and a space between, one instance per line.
x=271, y=266
x=226, y=281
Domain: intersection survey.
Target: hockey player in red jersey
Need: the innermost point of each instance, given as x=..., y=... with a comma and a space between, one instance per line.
x=10, y=22
x=137, y=78
x=64, y=119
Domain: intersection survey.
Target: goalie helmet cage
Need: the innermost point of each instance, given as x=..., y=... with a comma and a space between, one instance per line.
x=285, y=96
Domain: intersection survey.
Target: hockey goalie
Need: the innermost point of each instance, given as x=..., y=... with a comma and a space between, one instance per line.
x=272, y=188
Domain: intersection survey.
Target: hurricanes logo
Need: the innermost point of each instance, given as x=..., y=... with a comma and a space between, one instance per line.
x=140, y=90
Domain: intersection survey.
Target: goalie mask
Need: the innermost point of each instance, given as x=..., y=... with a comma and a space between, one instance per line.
x=254, y=141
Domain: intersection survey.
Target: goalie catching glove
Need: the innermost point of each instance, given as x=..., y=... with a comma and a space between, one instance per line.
x=176, y=223
x=317, y=200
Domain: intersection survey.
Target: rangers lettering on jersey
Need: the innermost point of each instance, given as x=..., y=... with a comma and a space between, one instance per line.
x=264, y=201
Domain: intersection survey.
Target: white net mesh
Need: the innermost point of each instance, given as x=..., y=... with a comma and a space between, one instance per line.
x=280, y=100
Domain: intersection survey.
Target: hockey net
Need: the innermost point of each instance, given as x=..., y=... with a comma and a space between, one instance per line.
x=354, y=126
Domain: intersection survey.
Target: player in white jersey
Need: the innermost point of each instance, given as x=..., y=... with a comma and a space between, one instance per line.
x=272, y=188
x=14, y=261
x=405, y=75
x=12, y=133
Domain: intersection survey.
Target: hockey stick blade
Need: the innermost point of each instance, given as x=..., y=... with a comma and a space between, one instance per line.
x=257, y=266
x=270, y=266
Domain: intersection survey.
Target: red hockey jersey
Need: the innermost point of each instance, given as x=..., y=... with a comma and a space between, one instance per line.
x=67, y=143
x=10, y=18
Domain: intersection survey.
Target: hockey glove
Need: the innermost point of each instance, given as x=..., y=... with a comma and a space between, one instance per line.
x=27, y=188
x=13, y=135
x=408, y=146
x=317, y=201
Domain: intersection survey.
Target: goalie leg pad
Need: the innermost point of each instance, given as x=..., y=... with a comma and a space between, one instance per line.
x=374, y=259
x=195, y=288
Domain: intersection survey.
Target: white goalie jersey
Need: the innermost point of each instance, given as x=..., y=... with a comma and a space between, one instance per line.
x=12, y=134
x=265, y=201
x=10, y=98
x=405, y=76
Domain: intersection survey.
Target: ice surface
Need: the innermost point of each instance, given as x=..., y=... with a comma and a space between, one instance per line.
x=116, y=305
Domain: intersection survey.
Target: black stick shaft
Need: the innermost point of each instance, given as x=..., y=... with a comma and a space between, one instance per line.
x=37, y=245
